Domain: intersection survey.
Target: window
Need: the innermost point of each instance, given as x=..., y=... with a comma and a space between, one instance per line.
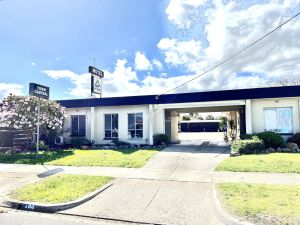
x=278, y=120
x=111, y=126
x=78, y=125
x=135, y=125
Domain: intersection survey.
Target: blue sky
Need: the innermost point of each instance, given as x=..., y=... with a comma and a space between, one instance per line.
x=43, y=35
x=143, y=46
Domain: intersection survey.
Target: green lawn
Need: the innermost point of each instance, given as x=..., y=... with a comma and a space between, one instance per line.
x=262, y=201
x=130, y=158
x=275, y=162
x=60, y=188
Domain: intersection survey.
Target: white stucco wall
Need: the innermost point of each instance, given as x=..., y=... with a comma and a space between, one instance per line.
x=174, y=126
x=77, y=111
x=98, y=122
x=123, y=112
x=155, y=114
x=257, y=112
x=159, y=120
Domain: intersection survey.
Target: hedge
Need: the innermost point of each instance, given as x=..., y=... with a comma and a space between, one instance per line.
x=159, y=139
x=295, y=139
x=249, y=146
x=271, y=139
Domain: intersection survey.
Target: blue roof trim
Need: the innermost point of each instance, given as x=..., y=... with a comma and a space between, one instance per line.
x=238, y=94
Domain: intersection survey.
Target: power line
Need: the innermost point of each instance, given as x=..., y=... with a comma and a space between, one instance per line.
x=232, y=56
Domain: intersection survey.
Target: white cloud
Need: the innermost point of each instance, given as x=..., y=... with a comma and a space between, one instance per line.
x=119, y=82
x=81, y=82
x=180, y=52
x=142, y=62
x=10, y=88
x=123, y=81
x=183, y=13
x=33, y=64
x=157, y=64
x=58, y=58
x=229, y=28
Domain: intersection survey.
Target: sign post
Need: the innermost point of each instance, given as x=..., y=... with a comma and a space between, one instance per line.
x=96, y=80
x=39, y=91
x=38, y=128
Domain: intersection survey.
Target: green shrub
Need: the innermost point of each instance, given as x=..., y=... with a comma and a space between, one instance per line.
x=246, y=136
x=42, y=146
x=249, y=146
x=271, y=139
x=209, y=117
x=249, y=137
x=51, y=136
x=121, y=143
x=186, y=117
x=223, y=123
x=295, y=139
x=76, y=142
x=159, y=139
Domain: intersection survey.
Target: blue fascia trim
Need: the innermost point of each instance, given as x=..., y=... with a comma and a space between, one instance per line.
x=238, y=94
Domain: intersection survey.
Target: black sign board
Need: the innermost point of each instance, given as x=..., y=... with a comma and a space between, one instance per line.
x=96, y=85
x=39, y=90
x=96, y=72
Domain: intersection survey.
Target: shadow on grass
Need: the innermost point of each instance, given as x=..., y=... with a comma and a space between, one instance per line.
x=29, y=157
x=126, y=150
x=130, y=150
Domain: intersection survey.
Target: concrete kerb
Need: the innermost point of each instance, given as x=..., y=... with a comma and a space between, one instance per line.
x=225, y=217
x=39, y=207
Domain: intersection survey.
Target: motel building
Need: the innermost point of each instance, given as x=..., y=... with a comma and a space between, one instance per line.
x=135, y=119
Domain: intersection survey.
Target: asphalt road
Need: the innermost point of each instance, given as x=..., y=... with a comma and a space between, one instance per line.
x=14, y=217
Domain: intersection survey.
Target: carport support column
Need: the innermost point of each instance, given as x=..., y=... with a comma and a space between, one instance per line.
x=151, y=121
x=248, y=117
x=92, y=123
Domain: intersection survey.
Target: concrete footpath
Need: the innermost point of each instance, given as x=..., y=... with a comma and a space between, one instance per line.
x=175, y=186
x=11, y=174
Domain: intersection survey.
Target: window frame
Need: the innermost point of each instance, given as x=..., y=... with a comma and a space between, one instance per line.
x=78, y=134
x=135, y=125
x=276, y=109
x=111, y=126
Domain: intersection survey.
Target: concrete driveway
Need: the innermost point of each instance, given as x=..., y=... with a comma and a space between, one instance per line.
x=175, y=187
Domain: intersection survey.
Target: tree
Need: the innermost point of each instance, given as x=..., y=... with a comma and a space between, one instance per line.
x=223, y=126
x=20, y=112
x=209, y=117
x=200, y=117
x=232, y=127
x=185, y=117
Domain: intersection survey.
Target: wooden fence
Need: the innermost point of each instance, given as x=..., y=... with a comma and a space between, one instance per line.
x=11, y=137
